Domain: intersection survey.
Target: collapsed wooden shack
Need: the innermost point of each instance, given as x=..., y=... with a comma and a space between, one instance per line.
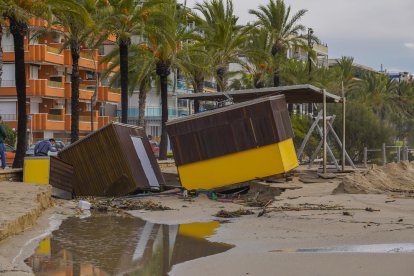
x=113, y=161
x=233, y=144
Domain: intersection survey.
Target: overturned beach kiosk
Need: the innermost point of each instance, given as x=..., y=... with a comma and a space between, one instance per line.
x=233, y=144
x=113, y=161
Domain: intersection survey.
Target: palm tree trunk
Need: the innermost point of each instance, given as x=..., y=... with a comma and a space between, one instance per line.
x=75, y=51
x=276, y=77
x=142, y=97
x=163, y=71
x=19, y=29
x=220, y=79
x=123, y=61
x=199, y=83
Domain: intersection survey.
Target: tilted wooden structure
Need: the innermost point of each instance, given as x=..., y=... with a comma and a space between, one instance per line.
x=113, y=161
x=233, y=144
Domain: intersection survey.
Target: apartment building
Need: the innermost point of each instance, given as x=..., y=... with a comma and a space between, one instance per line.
x=176, y=107
x=48, y=78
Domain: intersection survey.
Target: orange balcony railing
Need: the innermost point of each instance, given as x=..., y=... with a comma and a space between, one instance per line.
x=107, y=94
x=37, y=22
x=104, y=120
x=85, y=91
x=8, y=88
x=45, y=53
x=44, y=121
x=84, y=122
x=45, y=88
x=88, y=59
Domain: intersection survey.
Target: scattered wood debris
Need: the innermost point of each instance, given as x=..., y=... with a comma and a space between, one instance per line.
x=116, y=204
x=306, y=207
x=369, y=209
x=233, y=214
x=264, y=208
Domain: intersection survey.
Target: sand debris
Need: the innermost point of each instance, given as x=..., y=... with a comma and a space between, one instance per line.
x=392, y=178
x=233, y=214
x=306, y=207
x=116, y=204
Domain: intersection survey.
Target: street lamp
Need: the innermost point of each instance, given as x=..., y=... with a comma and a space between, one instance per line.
x=310, y=45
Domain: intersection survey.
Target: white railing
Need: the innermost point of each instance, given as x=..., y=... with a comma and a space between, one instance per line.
x=8, y=117
x=8, y=48
x=8, y=83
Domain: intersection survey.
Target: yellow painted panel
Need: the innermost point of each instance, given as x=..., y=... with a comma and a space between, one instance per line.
x=199, y=230
x=239, y=167
x=36, y=170
x=44, y=247
x=288, y=154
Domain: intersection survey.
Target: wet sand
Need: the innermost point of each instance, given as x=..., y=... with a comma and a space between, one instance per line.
x=258, y=240
x=15, y=249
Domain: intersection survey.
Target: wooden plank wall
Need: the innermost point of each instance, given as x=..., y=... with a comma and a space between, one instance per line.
x=61, y=174
x=236, y=129
x=124, y=134
x=101, y=164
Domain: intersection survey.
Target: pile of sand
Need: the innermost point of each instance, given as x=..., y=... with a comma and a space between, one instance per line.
x=394, y=177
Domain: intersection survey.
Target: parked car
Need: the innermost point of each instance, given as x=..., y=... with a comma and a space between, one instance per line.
x=155, y=148
x=59, y=145
x=10, y=154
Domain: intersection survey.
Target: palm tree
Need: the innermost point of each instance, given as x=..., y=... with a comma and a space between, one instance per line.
x=169, y=49
x=79, y=31
x=196, y=66
x=128, y=17
x=225, y=40
x=283, y=30
x=141, y=71
x=18, y=12
x=378, y=92
x=259, y=58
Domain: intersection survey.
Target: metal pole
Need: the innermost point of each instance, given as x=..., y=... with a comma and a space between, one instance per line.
x=398, y=154
x=384, y=155
x=324, y=131
x=365, y=157
x=343, y=127
x=92, y=114
x=405, y=153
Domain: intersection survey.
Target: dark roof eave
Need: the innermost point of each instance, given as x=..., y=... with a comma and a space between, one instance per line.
x=304, y=93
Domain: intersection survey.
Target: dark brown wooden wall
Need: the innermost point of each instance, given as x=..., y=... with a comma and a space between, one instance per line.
x=105, y=162
x=61, y=174
x=236, y=128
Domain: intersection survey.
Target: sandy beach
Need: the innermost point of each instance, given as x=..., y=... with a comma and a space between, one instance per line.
x=257, y=238
x=359, y=234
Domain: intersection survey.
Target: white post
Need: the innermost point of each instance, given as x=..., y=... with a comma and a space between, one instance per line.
x=343, y=127
x=324, y=131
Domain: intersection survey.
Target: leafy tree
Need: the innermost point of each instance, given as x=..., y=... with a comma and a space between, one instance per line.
x=127, y=18
x=364, y=129
x=225, y=41
x=283, y=31
x=141, y=73
x=258, y=55
x=10, y=135
x=79, y=31
x=169, y=50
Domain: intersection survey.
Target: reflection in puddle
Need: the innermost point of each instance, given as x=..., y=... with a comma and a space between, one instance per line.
x=109, y=245
x=370, y=248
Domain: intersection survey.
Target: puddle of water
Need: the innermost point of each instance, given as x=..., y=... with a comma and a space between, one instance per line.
x=121, y=245
x=369, y=248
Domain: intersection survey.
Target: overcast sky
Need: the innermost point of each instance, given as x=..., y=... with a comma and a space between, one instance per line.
x=374, y=32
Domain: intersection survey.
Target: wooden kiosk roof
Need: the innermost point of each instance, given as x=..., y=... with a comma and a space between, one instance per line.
x=304, y=93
